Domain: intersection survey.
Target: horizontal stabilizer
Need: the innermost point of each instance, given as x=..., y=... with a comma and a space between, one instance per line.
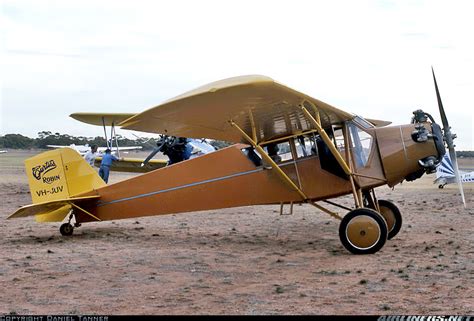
x=61, y=206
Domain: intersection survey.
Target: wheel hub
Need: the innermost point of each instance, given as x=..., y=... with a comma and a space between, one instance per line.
x=363, y=232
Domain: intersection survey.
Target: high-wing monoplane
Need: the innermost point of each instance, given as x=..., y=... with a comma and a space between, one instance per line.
x=289, y=148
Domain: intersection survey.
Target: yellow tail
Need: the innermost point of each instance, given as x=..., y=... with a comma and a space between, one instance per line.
x=56, y=177
x=59, y=174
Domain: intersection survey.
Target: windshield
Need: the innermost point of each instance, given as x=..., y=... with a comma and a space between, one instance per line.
x=361, y=144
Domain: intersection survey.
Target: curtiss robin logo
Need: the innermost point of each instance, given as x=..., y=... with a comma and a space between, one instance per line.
x=40, y=170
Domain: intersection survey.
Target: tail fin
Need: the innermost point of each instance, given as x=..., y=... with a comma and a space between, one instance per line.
x=56, y=177
x=59, y=174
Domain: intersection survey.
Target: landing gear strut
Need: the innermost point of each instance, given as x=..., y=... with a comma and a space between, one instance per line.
x=388, y=210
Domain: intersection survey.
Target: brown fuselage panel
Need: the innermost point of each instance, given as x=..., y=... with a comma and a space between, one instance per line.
x=400, y=153
x=222, y=179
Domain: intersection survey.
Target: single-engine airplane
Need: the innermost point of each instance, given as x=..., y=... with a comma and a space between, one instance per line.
x=289, y=148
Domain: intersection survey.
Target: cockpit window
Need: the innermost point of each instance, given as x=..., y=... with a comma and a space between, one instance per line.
x=306, y=145
x=361, y=144
x=279, y=152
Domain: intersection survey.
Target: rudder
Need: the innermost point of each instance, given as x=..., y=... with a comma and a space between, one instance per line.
x=60, y=174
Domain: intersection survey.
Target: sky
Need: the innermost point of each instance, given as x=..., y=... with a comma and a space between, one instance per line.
x=371, y=58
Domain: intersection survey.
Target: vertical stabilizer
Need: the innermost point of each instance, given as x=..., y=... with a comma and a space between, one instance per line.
x=60, y=174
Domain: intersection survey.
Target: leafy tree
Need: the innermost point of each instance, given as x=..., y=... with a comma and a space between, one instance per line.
x=16, y=141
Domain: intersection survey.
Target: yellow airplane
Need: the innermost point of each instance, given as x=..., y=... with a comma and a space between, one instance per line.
x=289, y=148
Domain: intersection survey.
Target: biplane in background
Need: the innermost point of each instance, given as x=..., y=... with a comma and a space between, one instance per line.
x=289, y=148
x=166, y=145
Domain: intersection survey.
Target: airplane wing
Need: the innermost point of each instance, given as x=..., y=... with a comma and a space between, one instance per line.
x=49, y=207
x=133, y=165
x=81, y=149
x=201, y=146
x=58, y=146
x=206, y=111
x=103, y=149
x=99, y=119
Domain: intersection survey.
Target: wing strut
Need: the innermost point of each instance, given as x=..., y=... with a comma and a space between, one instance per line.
x=281, y=173
x=267, y=158
x=356, y=191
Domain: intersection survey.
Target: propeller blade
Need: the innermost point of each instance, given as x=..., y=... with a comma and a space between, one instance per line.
x=448, y=137
x=454, y=161
x=440, y=103
x=153, y=153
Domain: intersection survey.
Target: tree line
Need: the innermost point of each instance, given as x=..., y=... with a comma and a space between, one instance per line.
x=18, y=141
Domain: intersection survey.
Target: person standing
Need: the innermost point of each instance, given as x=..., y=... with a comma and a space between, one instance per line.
x=91, y=155
x=107, y=161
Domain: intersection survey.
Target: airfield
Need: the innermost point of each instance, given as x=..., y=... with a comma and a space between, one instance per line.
x=247, y=260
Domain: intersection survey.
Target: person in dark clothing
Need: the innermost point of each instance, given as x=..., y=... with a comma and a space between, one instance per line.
x=107, y=160
x=177, y=149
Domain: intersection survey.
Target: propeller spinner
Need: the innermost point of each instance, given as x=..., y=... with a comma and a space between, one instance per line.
x=448, y=138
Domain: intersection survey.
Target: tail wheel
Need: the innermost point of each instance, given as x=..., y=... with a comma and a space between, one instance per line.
x=66, y=229
x=363, y=231
x=392, y=216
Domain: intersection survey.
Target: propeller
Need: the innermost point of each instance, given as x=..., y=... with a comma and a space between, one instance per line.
x=155, y=151
x=449, y=137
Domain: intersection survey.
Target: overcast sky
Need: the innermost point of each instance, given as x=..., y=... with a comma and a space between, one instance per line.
x=371, y=58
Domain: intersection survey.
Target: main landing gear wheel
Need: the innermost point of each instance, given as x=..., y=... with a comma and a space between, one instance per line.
x=392, y=216
x=363, y=231
x=66, y=229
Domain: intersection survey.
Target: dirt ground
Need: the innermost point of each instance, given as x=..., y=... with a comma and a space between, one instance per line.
x=247, y=260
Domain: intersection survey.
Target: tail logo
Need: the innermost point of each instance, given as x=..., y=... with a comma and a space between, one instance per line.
x=40, y=170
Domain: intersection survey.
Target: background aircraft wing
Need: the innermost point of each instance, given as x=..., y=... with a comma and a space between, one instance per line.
x=103, y=149
x=99, y=119
x=273, y=108
x=133, y=165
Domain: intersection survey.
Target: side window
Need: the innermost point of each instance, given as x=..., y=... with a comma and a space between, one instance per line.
x=306, y=145
x=339, y=139
x=279, y=152
x=361, y=144
x=253, y=156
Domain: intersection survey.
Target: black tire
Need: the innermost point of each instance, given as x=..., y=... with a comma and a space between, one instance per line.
x=66, y=229
x=392, y=216
x=363, y=231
